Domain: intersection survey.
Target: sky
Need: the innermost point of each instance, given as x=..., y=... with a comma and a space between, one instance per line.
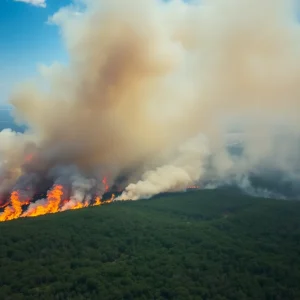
x=26, y=40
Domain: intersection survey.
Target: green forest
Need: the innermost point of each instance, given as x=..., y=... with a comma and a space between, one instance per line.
x=196, y=245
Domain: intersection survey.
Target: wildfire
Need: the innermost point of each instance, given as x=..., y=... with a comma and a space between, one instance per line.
x=13, y=211
x=51, y=205
x=79, y=205
x=54, y=203
x=97, y=201
x=111, y=199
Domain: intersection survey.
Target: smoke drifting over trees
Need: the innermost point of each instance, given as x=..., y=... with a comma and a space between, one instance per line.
x=157, y=88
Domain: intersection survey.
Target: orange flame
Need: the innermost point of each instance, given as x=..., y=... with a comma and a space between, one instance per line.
x=97, y=201
x=111, y=199
x=77, y=205
x=51, y=206
x=13, y=211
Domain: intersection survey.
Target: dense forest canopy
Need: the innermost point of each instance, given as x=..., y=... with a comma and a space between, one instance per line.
x=196, y=245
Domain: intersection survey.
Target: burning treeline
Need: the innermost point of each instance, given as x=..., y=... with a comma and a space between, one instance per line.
x=16, y=207
x=150, y=92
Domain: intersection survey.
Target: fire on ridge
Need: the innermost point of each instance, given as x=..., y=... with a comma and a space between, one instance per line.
x=56, y=200
x=54, y=203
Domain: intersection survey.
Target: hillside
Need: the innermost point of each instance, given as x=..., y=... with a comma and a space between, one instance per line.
x=197, y=245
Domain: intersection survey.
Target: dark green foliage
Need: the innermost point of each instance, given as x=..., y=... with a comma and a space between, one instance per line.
x=199, y=245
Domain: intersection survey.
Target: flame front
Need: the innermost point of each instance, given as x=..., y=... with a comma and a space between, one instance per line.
x=14, y=210
x=79, y=205
x=111, y=199
x=51, y=206
x=97, y=201
x=54, y=203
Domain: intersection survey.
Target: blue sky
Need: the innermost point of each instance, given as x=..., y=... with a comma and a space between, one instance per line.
x=27, y=40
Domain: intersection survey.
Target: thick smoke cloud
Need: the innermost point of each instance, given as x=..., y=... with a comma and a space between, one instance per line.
x=185, y=169
x=145, y=77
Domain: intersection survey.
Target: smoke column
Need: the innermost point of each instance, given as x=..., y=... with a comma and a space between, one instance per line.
x=185, y=169
x=158, y=87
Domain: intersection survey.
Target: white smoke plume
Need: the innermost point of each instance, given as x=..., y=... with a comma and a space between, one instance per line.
x=145, y=76
x=15, y=151
x=175, y=176
x=81, y=188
